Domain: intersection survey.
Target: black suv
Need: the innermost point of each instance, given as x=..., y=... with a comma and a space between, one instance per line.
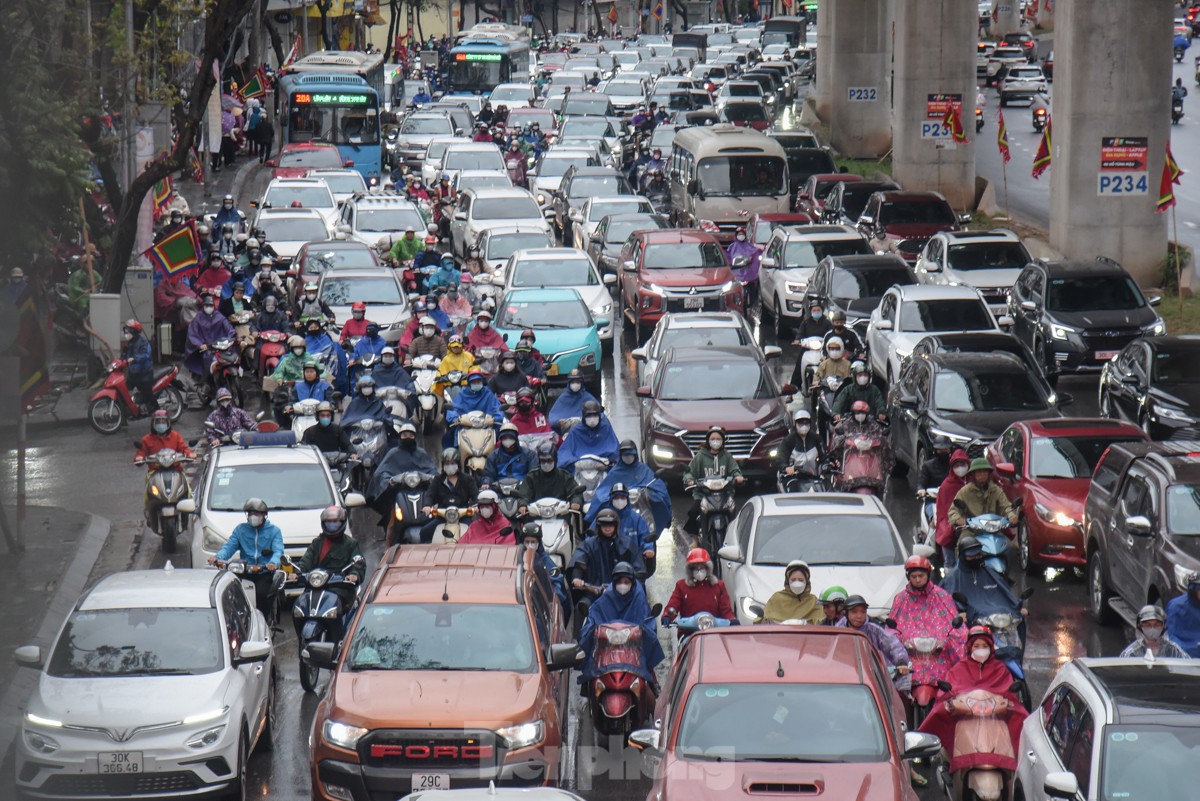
x=1076, y=315
x=855, y=285
x=1155, y=383
x=1141, y=523
x=846, y=201
x=580, y=183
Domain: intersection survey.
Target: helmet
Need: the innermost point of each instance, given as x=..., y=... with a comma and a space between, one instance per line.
x=741, y=229
x=160, y=414
x=608, y=516
x=427, y=320
x=917, y=563
x=794, y=565
x=483, y=313
x=802, y=414
x=450, y=455
x=388, y=351
x=296, y=341
x=407, y=428
x=855, y=600
x=618, y=489
x=252, y=243
x=487, y=496
x=941, y=444
x=531, y=530
x=224, y=394
x=546, y=450
x=1151, y=612
x=980, y=463
x=528, y=333
x=324, y=406
x=132, y=324
x=834, y=595
x=968, y=543
x=592, y=407
x=837, y=316
x=312, y=364
x=509, y=426
x=716, y=429
x=431, y=240
x=365, y=381
x=698, y=556
x=334, y=514
x=358, y=305
x=976, y=632
x=255, y=505
x=859, y=367
x=860, y=406
x=622, y=570
x=525, y=393
x=627, y=445
x=476, y=372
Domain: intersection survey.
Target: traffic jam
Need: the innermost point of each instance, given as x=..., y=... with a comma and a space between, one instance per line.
x=571, y=417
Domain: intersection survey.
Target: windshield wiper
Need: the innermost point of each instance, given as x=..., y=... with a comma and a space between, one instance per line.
x=782, y=758
x=163, y=672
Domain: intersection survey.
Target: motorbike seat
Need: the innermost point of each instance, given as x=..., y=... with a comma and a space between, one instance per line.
x=162, y=371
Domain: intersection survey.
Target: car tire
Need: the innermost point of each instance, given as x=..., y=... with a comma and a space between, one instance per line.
x=1144, y=423
x=266, y=740
x=1025, y=551
x=1039, y=357
x=240, y=791
x=1098, y=590
x=778, y=325
x=1105, y=404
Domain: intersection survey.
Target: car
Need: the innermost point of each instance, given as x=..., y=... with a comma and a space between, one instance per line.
x=847, y=540
x=580, y=183
x=300, y=193
x=513, y=95
x=476, y=695
x=796, y=138
x=595, y=208
x=846, y=199
x=288, y=230
x=294, y=481
x=1049, y=465
x=739, y=88
x=523, y=117
x=990, y=261
x=1074, y=316
x=1112, y=728
x=598, y=145
x=1022, y=83
x=694, y=330
x=435, y=150
x=564, y=267
x=608, y=129
x=566, y=329
x=482, y=208
x=983, y=54
x=161, y=682
x=370, y=218
x=674, y=269
x=1153, y=383
x=611, y=232
x=480, y=179
x=734, y=695
x=315, y=258
x=1140, y=522
x=587, y=104
x=967, y=398
x=297, y=158
x=806, y=161
x=417, y=130
x=745, y=112
x=789, y=259
x=984, y=342
x=694, y=388
x=626, y=94
x=1023, y=40
x=1048, y=66
x=379, y=288
x=1001, y=59
x=496, y=794
x=458, y=109
x=497, y=243
x=854, y=285
x=342, y=183
x=811, y=198
x=906, y=314
x=472, y=156
x=902, y=222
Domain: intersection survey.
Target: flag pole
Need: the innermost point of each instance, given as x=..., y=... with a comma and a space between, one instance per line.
x=1178, y=263
x=1004, y=172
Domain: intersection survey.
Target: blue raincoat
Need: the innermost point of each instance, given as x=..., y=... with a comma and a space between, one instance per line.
x=635, y=476
x=1183, y=624
x=443, y=276
x=371, y=408
x=632, y=608
x=631, y=524
x=569, y=404
x=392, y=376
x=320, y=390
x=986, y=590
x=502, y=464
x=470, y=400
x=581, y=441
x=597, y=556
x=317, y=346
x=366, y=346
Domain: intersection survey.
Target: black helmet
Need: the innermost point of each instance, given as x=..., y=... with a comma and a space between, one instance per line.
x=255, y=505
x=837, y=316
x=618, y=489
x=333, y=514
x=941, y=444
x=531, y=530
x=968, y=543
x=607, y=516
x=546, y=450
x=592, y=407
x=627, y=445
x=623, y=569
x=855, y=600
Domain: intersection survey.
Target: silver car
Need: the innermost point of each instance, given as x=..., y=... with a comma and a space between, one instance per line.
x=567, y=268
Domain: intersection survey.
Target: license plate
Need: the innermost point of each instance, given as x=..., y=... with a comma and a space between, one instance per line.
x=119, y=762
x=430, y=781
x=693, y=303
x=1105, y=355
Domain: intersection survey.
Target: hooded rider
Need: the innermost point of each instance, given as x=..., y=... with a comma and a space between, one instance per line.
x=946, y=534
x=796, y=600
x=593, y=436
x=710, y=461
x=227, y=418
x=482, y=335
x=923, y=609
x=207, y=328
x=406, y=457
x=527, y=417
x=476, y=397
x=592, y=564
x=508, y=378
x=452, y=487
x=624, y=600
x=1183, y=616
x=570, y=403
x=633, y=473
x=457, y=359
x=885, y=641
x=531, y=540
x=490, y=526
x=510, y=459
x=1152, y=636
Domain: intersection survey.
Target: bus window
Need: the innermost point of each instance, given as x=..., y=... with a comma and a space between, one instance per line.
x=742, y=175
x=351, y=125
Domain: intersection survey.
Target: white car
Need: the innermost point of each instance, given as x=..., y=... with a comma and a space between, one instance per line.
x=594, y=209
x=288, y=230
x=482, y=208
x=496, y=243
x=294, y=481
x=567, y=268
x=1022, y=83
x=161, y=683
x=846, y=539
x=378, y=287
x=473, y=156
x=548, y=172
x=369, y=218
x=1001, y=57
x=513, y=95
x=990, y=261
x=481, y=179
x=431, y=166
x=307, y=193
x=344, y=184
x=907, y=314
x=788, y=261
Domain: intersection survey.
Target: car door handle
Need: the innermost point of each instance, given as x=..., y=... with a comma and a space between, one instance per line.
x=1032, y=757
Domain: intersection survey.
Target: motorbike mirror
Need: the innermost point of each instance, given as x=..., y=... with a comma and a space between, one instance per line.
x=656, y=611
x=1027, y=594
x=209, y=424
x=358, y=560
x=891, y=623
x=960, y=504
x=958, y=621
x=504, y=532
x=320, y=654
x=260, y=416
x=1016, y=686
x=137, y=443
x=944, y=686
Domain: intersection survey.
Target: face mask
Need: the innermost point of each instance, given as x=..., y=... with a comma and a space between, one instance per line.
x=310, y=296
x=628, y=458
x=620, y=503
x=408, y=442
x=269, y=307
x=575, y=386
x=160, y=428
x=389, y=360
x=741, y=237
x=547, y=467
x=803, y=430
x=818, y=315
x=797, y=587
x=297, y=351
x=980, y=655
x=486, y=511
x=960, y=470
x=715, y=443
x=228, y=237
x=591, y=421
x=860, y=417
x=224, y=404
x=835, y=354
x=128, y=335
x=1152, y=633
x=508, y=367
x=209, y=309
x=863, y=380
x=451, y=469
x=699, y=575
x=475, y=386
x=324, y=421
x=331, y=527
x=507, y=442
x=623, y=588
x=357, y=315
x=367, y=391
x=532, y=545
x=255, y=520
x=484, y=325
x=426, y=331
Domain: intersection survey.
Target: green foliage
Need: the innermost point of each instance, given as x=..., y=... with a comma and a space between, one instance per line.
x=1170, y=267
x=865, y=167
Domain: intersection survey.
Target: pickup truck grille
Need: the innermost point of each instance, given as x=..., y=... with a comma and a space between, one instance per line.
x=738, y=443
x=397, y=748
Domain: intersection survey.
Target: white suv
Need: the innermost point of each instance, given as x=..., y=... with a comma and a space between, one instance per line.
x=369, y=218
x=1001, y=57
x=788, y=261
x=161, y=683
x=990, y=261
x=1022, y=83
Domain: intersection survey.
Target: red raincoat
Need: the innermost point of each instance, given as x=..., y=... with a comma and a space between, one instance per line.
x=945, y=534
x=487, y=532
x=969, y=675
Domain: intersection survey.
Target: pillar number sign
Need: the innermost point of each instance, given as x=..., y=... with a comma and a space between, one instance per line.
x=936, y=107
x=1124, y=166
x=862, y=94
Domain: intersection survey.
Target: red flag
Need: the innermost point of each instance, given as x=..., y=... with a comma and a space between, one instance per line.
x=612, y=14
x=30, y=348
x=1170, y=176
x=953, y=121
x=1041, y=160
x=1002, y=140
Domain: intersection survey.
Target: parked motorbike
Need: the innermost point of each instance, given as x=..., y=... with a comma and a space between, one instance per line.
x=716, y=510
x=166, y=486
x=981, y=728
x=553, y=515
x=319, y=616
x=621, y=697
x=409, y=515
x=429, y=403
x=112, y=406
x=1040, y=115
x=861, y=469
x=476, y=441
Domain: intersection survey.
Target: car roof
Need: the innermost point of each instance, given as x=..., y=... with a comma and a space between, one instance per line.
x=815, y=233
x=967, y=237
x=537, y=254
x=1083, y=267
x=666, y=236
x=141, y=589
x=911, y=196
x=298, y=211
x=1082, y=426
x=821, y=503
x=305, y=181
x=546, y=295
x=1185, y=342
x=1180, y=458
x=383, y=200
x=868, y=261
x=808, y=654
x=338, y=244
x=1005, y=362
x=457, y=573
x=636, y=216
x=1145, y=693
x=360, y=272
x=307, y=146
x=591, y=169
x=703, y=320
x=268, y=454
x=494, y=192
x=986, y=339
x=321, y=172
x=921, y=292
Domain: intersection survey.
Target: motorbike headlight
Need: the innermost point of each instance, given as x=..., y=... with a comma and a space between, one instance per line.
x=331, y=613
x=318, y=578
x=342, y=735
x=212, y=540
x=1000, y=620
x=522, y=736
x=1062, y=332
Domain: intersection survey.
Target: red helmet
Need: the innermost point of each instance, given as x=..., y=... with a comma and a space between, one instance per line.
x=860, y=406
x=358, y=305
x=917, y=563
x=698, y=556
x=133, y=325
x=431, y=240
x=476, y=371
x=981, y=631
x=296, y=204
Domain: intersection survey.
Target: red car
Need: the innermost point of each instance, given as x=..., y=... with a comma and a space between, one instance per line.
x=314, y=258
x=675, y=269
x=1049, y=464
x=750, y=712
x=810, y=199
x=295, y=160
x=902, y=222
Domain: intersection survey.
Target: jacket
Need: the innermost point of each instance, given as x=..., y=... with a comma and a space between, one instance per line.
x=442, y=493
x=355, y=328
x=291, y=368
x=404, y=249
x=851, y=392
x=810, y=447
x=427, y=346
x=139, y=358
x=337, y=558
x=277, y=321
x=849, y=337
x=595, y=558
x=328, y=439
x=632, y=608
x=1183, y=622
x=944, y=533
x=489, y=531
x=706, y=464
x=830, y=367
x=555, y=484
x=153, y=443
x=257, y=546
x=320, y=390
x=813, y=328
x=227, y=421
x=503, y=464
x=988, y=500
x=933, y=472
x=690, y=598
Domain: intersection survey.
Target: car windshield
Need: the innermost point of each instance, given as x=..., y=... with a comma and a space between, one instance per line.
x=293, y=229
x=701, y=338
x=1148, y=763
x=755, y=722
x=587, y=126
x=1068, y=457
x=966, y=390
x=282, y=487
x=945, y=315
x=803, y=163
x=570, y=271
x=443, y=636
x=1094, y=293
x=809, y=254
x=520, y=117
x=740, y=176
x=436, y=149
x=346, y=184
x=505, y=208
x=319, y=260
x=987, y=256
x=682, y=255
x=917, y=212
x=854, y=198
x=382, y=291
x=473, y=160
x=427, y=125
x=744, y=112
x=618, y=232
x=586, y=106
x=311, y=157
x=388, y=219
x=856, y=284
x=508, y=94
x=501, y=246
x=741, y=90
x=545, y=315
x=556, y=166
x=138, y=642
x=795, y=140
x=598, y=185
x=736, y=380
x=310, y=197
x=826, y=540
x=601, y=209
x=484, y=180
x=1177, y=366
x=1183, y=509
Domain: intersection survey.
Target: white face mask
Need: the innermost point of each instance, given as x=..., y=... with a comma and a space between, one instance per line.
x=803, y=430
x=389, y=360
x=699, y=575
x=741, y=237
x=623, y=588
x=860, y=417
x=835, y=353
x=591, y=421
x=255, y=520
x=980, y=655
x=486, y=511
x=508, y=367
x=128, y=336
x=451, y=469
x=547, y=467
x=620, y=503
x=483, y=325
x=960, y=470
x=715, y=443
x=574, y=386
x=531, y=545
x=863, y=380
x=367, y=391
x=426, y=331
x=1152, y=634
x=507, y=442
x=798, y=587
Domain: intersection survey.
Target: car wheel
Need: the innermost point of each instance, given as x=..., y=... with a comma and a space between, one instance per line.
x=778, y=325
x=1025, y=550
x=1106, y=409
x=239, y=791
x=1039, y=356
x=1098, y=591
x=267, y=740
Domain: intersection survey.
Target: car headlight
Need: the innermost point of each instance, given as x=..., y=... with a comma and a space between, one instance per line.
x=588, y=360
x=43, y=722
x=1167, y=413
x=212, y=540
x=342, y=734
x=903, y=353
x=600, y=311
x=541, y=199
x=793, y=288
x=523, y=736
x=934, y=433
x=205, y=717
x=207, y=738
x=652, y=289
x=1048, y=515
x=40, y=743
x=1062, y=332
x=1157, y=328
x=729, y=286
x=663, y=427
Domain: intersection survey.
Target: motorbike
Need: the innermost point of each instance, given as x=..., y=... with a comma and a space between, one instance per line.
x=242, y=569
x=927, y=527
x=370, y=441
x=716, y=510
x=112, y=406
x=923, y=649
x=409, y=515
x=451, y=384
x=514, y=165
x=394, y=400
x=241, y=332
x=318, y=615
x=978, y=120
x=812, y=350
x=590, y=471
x=488, y=359
x=981, y=728
x=304, y=416
x=272, y=346
x=1040, y=116
x=227, y=369
x=701, y=621
x=342, y=467
x=990, y=530
x=509, y=491
x=861, y=469
x=476, y=441
x=826, y=392
x=166, y=486
x=553, y=515
x=429, y=403
x=1176, y=110
x=620, y=696
x=1179, y=51
x=1008, y=633
x=455, y=521
x=803, y=482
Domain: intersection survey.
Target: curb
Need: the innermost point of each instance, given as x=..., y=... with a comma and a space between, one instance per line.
x=73, y=581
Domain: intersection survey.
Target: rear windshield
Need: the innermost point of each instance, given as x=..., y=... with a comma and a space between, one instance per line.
x=945, y=315
x=809, y=254
x=854, y=284
x=917, y=212
x=1068, y=457
x=988, y=256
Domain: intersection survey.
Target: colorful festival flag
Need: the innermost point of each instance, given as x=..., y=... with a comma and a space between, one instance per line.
x=1002, y=140
x=953, y=121
x=178, y=253
x=292, y=55
x=257, y=85
x=658, y=10
x=1041, y=160
x=30, y=348
x=612, y=14
x=163, y=192
x=1170, y=176
x=197, y=165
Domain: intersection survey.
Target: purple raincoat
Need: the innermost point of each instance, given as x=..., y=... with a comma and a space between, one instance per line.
x=205, y=329
x=749, y=273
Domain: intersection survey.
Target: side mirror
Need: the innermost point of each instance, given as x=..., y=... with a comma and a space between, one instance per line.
x=270, y=162
x=29, y=656
x=575, y=215
x=602, y=322
x=918, y=744
x=639, y=354
x=628, y=266
x=461, y=216
x=768, y=263
x=643, y=392
x=1061, y=784
x=646, y=740
x=1154, y=300
x=693, y=187
x=564, y=656
x=187, y=506
x=549, y=214
x=730, y=553
x=253, y=651
x=906, y=401
x=1138, y=526
x=921, y=549
x=321, y=654
x=741, y=261
x=885, y=325
x=342, y=228
x=353, y=500
x=944, y=686
x=1005, y=321
x=866, y=220
x=772, y=351
x=964, y=218
x=348, y=164
x=1007, y=469
x=1028, y=305
x=610, y=279
x=1027, y=593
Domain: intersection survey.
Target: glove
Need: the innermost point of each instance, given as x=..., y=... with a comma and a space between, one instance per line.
x=665, y=621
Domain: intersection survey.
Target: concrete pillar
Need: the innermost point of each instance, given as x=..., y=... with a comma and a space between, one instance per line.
x=922, y=160
x=1006, y=17
x=860, y=118
x=822, y=93
x=1112, y=74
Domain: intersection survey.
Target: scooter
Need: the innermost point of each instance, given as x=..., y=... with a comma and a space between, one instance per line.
x=1176, y=111
x=1040, y=115
x=227, y=369
x=113, y=406
x=826, y=392
x=1008, y=634
x=978, y=120
x=304, y=416
x=927, y=527
x=429, y=403
x=509, y=491
x=341, y=468
x=242, y=569
x=455, y=521
x=241, y=332
x=803, y=482
x=981, y=728
x=487, y=359
x=166, y=486
x=272, y=346
x=476, y=441
x=861, y=470
x=370, y=441
x=395, y=401
x=716, y=510
x=409, y=515
x=621, y=696
x=812, y=350
x=553, y=515
x=318, y=615
x=701, y=621
x=590, y=471
x=990, y=530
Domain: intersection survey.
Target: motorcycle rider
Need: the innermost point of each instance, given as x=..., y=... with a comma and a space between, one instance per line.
x=631, y=472
x=631, y=524
x=482, y=133
x=452, y=487
x=334, y=550
x=207, y=328
x=981, y=495
x=313, y=386
x=527, y=417
x=474, y=263
x=446, y=274
x=227, y=215
x=490, y=526
x=549, y=481
x=457, y=359
x=592, y=564
x=454, y=303
x=816, y=324
x=390, y=373
x=987, y=592
x=923, y=609
x=308, y=307
x=740, y=247
x=407, y=456
x=406, y=247
x=796, y=600
x=162, y=436
x=861, y=424
x=259, y=542
x=570, y=401
x=327, y=436
x=946, y=534
x=476, y=397
x=529, y=358
x=1152, y=636
x=417, y=191
x=861, y=389
x=708, y=462
x=508, y=378
x=514, y=162
x=934, y=470
x=699, y=591
x=366, y=405
x=371, y=343
x=834, y=363
x=1178, y=91
x=885, y=641
x=227, y=418
x=593, y=436
x=271, y=317
x=266, y=283
x=838, y=328
x=482, y=335
x=1183, y=616
x=802, y=453
x=237, y=300
x=624, y=600
x=510, y=459
x=138, y=356
x=427, y=342
x=833, y=604
x=531, y=540
x=322, y=347
x=356, y=326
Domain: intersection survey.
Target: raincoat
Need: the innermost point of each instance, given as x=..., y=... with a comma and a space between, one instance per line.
x=582, y=441
x=595, y=558
x=889, y=647
x=484, y=338
x=568, y=405
x=929, y=612
x=226, y=421
x=398, y=460
x=488, y=532
x=504, y=464
x=205, y=329
x=750, y=271
x=392, y=376
x=471, y=400
x=786, y=605
x=321, y=344
x=636, y=476
x=404, y=249
x=363, y=408
x=945, y=534
x=632, y=608
x=629, y=523
x=1183, y=621
x=986, y=590
x=502, y=383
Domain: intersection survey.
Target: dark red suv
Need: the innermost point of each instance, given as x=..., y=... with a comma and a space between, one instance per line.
x=676, y=270
x=902, y=222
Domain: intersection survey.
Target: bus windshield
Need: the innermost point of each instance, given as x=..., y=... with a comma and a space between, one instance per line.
x=338, y=125
x=478, y=76
x=742, y=176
